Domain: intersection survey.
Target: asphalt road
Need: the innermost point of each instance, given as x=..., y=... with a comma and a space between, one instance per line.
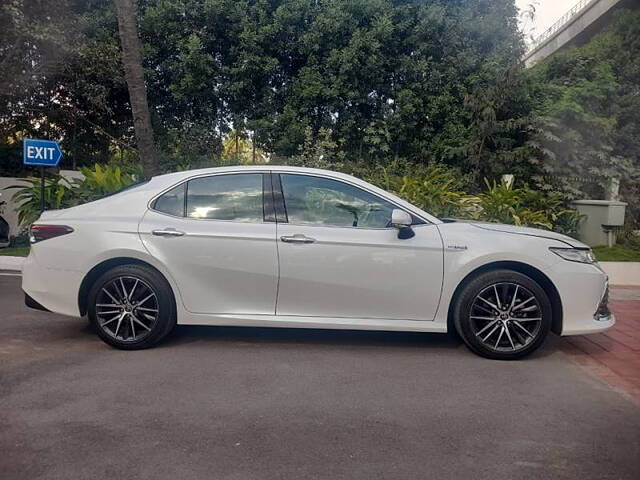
x=232, y=403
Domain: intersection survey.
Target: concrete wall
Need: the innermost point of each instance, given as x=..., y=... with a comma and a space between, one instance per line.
x=10, y=213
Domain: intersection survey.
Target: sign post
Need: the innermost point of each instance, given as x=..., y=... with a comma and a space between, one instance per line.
x=42, y=153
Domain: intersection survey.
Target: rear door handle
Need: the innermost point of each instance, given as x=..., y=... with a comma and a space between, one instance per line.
x=297, y=238
x=167, y=232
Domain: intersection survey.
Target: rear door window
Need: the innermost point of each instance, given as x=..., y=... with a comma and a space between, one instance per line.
x=233, y=197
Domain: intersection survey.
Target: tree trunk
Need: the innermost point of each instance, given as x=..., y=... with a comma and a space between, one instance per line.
x=253, y=147
x=132, y=61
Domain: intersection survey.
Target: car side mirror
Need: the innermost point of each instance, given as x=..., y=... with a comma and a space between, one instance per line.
x=402, y=221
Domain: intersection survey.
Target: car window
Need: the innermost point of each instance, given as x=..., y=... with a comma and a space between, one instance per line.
x=322, y=201
x=171, y=202
x=236, y=197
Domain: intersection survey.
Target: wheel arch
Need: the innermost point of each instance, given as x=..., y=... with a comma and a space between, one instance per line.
x=102, y=267
x=524, y=268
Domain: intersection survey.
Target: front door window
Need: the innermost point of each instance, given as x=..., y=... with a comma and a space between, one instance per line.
x=322, y=201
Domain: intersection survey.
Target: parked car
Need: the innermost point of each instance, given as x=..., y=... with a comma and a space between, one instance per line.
x=297, y=247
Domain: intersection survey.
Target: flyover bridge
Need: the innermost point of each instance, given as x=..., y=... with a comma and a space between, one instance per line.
x=584, y=20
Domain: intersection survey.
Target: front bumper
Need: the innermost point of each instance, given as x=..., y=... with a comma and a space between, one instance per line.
x=583, y=290
x=591, y=326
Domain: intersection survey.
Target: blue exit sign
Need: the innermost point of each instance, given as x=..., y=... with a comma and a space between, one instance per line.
x=44, y=153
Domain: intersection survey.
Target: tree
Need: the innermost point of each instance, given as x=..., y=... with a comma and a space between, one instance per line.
x=588, y=103
x=588, y=120
x=132, y=61
x=377, y=79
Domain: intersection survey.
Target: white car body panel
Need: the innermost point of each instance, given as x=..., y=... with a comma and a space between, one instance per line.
x=221, y=267
x=360, y=273
x=350, y=278
x=580, y=286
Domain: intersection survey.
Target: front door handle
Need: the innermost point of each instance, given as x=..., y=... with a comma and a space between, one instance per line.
x=297, y=238
x=167, y=232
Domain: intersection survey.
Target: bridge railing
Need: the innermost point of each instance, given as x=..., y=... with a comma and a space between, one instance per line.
x=563, y=20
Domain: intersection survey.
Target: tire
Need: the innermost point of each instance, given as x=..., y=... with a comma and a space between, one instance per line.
x=515, y=328
x=132, y=307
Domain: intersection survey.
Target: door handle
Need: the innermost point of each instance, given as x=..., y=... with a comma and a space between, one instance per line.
x=297, y=238
x=167, y=232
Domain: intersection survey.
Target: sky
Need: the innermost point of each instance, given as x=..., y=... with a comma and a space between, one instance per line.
x=547, y=12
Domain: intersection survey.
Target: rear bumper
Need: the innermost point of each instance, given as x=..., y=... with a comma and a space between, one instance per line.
x=31, y=303
x=54, y=290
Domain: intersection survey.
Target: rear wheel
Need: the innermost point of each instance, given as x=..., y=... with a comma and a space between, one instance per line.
x=132, y=307
x=503, y=314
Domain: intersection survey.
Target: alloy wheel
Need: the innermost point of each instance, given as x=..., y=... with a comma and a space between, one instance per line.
x=127, y=309
x=506, y=317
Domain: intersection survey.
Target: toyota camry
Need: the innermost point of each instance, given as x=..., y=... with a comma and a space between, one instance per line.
x=305, y=248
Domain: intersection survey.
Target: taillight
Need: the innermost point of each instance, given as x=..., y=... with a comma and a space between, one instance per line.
x=38, y=233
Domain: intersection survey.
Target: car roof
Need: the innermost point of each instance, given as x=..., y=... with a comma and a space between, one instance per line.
x=240, y=168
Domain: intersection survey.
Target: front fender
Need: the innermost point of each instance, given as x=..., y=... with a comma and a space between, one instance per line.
x=467, y=249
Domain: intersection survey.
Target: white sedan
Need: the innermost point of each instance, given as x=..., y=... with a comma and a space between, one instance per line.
x=305, y=248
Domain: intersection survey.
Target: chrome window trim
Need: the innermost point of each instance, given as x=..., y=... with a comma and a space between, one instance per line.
x=360, y=187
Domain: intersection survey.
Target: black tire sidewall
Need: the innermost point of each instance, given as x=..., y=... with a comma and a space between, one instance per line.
x=474, y=286
x=164, y=294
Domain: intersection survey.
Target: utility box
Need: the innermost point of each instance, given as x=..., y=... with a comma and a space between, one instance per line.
x=603, y=217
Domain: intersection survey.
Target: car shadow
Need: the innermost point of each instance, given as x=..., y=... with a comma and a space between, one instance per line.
x=184, y=334
x=187, y=334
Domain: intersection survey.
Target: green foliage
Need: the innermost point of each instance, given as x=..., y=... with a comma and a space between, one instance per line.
x=355, y=86
x=617, y=253
x=588, y=107
x=61, y=193
x=430, y=81
x=15, y=251
x=100, y=181
x=441, y=191
x=503, y=203
x=629, y=237
x=61, y=79
x=434, y=189
x=318, y=152
x=57, y=194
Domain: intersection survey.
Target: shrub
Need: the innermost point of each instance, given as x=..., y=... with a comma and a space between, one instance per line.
x=526, y=207
x=440, y=190
x=61, y=193
x=435, y=190
x=57, y=194
x=100, y=181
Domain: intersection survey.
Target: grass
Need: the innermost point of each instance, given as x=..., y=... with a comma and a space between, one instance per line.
x=14, y=251
x=617, y=253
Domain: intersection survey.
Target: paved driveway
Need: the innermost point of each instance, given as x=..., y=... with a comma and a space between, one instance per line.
x=231, y=403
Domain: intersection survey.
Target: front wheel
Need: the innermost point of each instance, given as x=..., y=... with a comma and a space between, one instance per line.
x=132, y=307
x=503, y=314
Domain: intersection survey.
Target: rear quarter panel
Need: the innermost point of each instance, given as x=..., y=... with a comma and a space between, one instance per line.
x=103, y=230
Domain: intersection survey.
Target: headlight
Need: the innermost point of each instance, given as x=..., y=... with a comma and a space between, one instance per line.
x=581, y=255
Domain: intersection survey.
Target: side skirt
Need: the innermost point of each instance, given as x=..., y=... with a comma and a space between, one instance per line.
x=282, y=321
